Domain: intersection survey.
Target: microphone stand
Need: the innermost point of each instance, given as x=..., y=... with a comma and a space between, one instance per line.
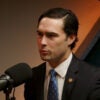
x=8, y=90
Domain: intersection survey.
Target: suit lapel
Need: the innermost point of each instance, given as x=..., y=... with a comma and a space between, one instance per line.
x=40, y=90
x=70, y=79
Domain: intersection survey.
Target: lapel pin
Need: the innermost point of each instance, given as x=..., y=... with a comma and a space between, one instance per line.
x=70, y=80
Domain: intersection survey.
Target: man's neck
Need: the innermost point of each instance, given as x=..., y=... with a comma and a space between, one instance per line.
x=55, y=63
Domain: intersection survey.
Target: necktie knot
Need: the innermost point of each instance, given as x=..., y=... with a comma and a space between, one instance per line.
x=53, y=73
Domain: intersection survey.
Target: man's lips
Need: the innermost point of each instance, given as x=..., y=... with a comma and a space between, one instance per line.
x=43, y=52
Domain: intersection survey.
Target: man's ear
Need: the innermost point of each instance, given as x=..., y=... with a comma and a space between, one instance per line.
x=71, y=39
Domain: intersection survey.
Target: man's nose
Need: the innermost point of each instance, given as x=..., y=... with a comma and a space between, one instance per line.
x=44, y=40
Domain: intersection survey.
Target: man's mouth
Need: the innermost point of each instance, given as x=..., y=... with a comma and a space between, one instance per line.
x=43, y=52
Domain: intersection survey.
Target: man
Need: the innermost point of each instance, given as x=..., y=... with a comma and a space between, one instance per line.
x=76, y=80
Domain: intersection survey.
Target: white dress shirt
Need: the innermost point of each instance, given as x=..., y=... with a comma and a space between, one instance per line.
x=61, y=70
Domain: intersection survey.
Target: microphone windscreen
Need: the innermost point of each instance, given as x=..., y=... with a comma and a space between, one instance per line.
x=19, y=73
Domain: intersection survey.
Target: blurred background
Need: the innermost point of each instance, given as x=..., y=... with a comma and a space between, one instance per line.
x=18, y=20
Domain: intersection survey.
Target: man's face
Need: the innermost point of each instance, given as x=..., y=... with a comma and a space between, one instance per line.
x=52, y=40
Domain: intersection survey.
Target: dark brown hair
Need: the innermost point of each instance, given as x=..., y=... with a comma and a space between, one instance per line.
x=69, y=18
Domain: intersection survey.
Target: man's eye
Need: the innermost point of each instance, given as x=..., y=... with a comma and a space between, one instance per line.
x=52, y=35
x=39, y=34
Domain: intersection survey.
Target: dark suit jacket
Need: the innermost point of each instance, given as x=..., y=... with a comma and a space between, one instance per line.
x=82, y=82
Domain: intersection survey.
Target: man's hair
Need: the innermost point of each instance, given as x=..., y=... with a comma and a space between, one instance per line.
x=70, y=21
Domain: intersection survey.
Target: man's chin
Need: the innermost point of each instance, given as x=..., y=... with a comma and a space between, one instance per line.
x=45, y=58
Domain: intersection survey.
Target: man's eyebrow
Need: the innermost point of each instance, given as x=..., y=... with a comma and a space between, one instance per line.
x=39, y=32
x=47, y=32
x=51, y=33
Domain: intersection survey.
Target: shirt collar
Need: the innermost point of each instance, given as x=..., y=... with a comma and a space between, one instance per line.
x=61, y=69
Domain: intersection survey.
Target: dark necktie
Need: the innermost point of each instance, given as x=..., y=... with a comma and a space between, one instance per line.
x=53, y=88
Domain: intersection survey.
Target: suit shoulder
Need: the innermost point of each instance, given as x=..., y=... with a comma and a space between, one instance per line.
x=37, y=72
x=40, y=67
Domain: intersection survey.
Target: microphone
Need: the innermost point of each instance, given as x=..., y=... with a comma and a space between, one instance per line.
x=15, y=76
